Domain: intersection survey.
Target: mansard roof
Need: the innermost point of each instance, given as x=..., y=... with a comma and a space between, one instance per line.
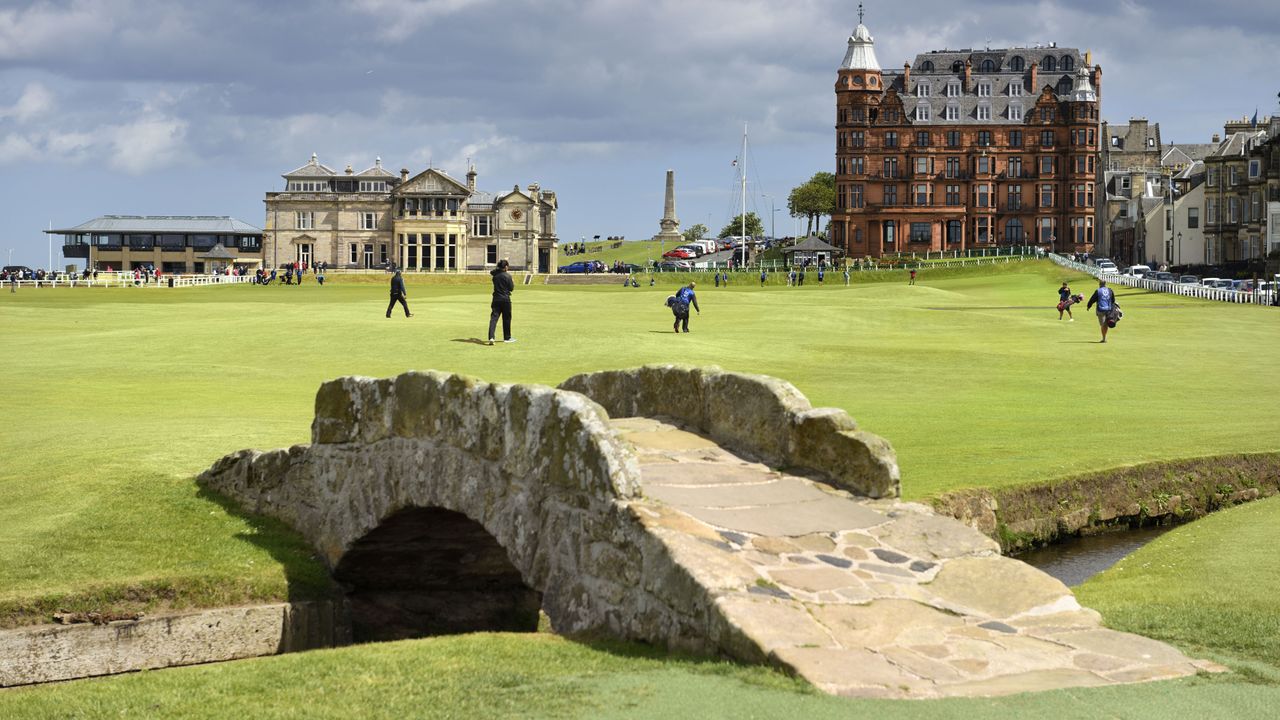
x=944, y=61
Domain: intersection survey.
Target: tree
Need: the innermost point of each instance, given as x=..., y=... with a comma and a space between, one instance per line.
x=813, y=199
x=755, y=228
x=697, y=232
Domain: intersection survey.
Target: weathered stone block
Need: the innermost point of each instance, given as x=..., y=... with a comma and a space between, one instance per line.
x=417, y=404
x=752, y=412
x=336, y=413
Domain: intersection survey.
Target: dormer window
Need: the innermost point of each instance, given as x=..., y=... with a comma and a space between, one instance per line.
x=1017, y=64
x=1015, y=112
x=953, y=112
x=926, y=66
x=984, y=112
x=1068, y=64
x=373, y=186
x=922, y=90
x=988, y=66
x=1050, y=63
x=923, y=111
x=984, y=89
x=953, y=89
x=1015, y=89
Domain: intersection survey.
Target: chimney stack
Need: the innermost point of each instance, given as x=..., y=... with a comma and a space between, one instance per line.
x=968, y=75
x=404, y=174
x=1217, y=138
x=471, y=178
x=906, y=77
x=1035, y=74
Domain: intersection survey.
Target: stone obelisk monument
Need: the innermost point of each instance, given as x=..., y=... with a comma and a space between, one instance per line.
x=670, y=225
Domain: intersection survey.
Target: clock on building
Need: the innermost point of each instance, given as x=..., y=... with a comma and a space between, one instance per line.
x=517, y=214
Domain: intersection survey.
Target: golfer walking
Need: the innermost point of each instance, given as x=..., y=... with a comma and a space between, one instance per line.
x=500, y=306
x=1105, y=298
x=397, y=294
x=683, y=299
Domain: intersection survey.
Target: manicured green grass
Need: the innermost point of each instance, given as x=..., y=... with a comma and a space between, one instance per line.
x=1210, y=587
x=490, y=676
x=118, y=397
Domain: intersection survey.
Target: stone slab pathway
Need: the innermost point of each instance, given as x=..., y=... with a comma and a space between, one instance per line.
x=873, y=598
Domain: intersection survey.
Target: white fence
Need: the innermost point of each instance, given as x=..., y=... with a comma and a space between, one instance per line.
x=1174, y=288
x=119, y=279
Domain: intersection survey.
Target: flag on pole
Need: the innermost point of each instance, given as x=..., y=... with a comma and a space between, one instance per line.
x=1255, y=118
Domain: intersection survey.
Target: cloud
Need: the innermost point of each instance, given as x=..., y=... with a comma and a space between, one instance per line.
x=36, y=100
x=146, y=144
x=402, y=18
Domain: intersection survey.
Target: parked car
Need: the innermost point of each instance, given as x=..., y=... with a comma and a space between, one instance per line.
x=1209, y=282
x=677, y=254
x=580, y=267
x=674, y=266
x=1137, y=270
x=1161, y=276
x=1108, y=268
x=1224, y=284
x=693, y=249
x=627, y=268
x=1188, y=280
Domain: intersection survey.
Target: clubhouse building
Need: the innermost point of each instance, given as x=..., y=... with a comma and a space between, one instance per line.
x=170, y=243
x=427, y=222
x=966, y=149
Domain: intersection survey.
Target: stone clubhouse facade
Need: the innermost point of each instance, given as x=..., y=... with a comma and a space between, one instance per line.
x=429, y=222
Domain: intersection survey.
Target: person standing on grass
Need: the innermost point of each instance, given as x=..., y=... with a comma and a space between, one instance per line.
x=913, y=277
x=500, y=306
x=398, y=295
x=1105, y=298
x=685, y=297
x=1064, y=302
x=763, y=274
x=846, y=275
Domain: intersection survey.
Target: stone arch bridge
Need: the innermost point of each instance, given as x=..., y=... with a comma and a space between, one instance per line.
x=693, y=508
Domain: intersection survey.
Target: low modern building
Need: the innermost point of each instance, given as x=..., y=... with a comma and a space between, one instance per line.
x=170, y=243
x=427, y=222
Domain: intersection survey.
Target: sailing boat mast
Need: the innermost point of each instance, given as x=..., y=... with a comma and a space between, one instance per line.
x=744, y=192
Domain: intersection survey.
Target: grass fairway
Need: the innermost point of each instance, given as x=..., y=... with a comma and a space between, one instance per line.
x=537, y=676
x=119, y=397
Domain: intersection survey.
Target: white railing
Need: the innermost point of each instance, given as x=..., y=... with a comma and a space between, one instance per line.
x=115, y=279
x=1187, y=290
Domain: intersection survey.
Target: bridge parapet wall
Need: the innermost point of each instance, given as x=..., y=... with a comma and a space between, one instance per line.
x=754, y=414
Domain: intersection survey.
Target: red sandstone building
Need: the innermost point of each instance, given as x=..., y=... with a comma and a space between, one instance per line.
x=965, y=150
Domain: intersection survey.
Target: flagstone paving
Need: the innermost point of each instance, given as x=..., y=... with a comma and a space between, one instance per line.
x=873, y=598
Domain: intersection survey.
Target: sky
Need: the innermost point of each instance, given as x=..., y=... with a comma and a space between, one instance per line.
x=184, y=107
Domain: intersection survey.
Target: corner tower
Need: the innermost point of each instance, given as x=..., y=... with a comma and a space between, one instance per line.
x=859, y=89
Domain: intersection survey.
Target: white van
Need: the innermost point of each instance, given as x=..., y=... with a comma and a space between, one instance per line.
x=1137, y=270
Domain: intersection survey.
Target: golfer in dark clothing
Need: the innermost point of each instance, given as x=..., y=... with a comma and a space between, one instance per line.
x=503, y=286
x=398, y=295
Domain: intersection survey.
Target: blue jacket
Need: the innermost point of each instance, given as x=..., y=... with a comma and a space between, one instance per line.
x=689, y=297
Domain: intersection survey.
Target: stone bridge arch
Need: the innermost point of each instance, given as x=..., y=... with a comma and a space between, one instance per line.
x=714, y=512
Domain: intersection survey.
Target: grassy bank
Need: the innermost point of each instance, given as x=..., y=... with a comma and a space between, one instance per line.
x=1209, y=588
x=118, y=397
